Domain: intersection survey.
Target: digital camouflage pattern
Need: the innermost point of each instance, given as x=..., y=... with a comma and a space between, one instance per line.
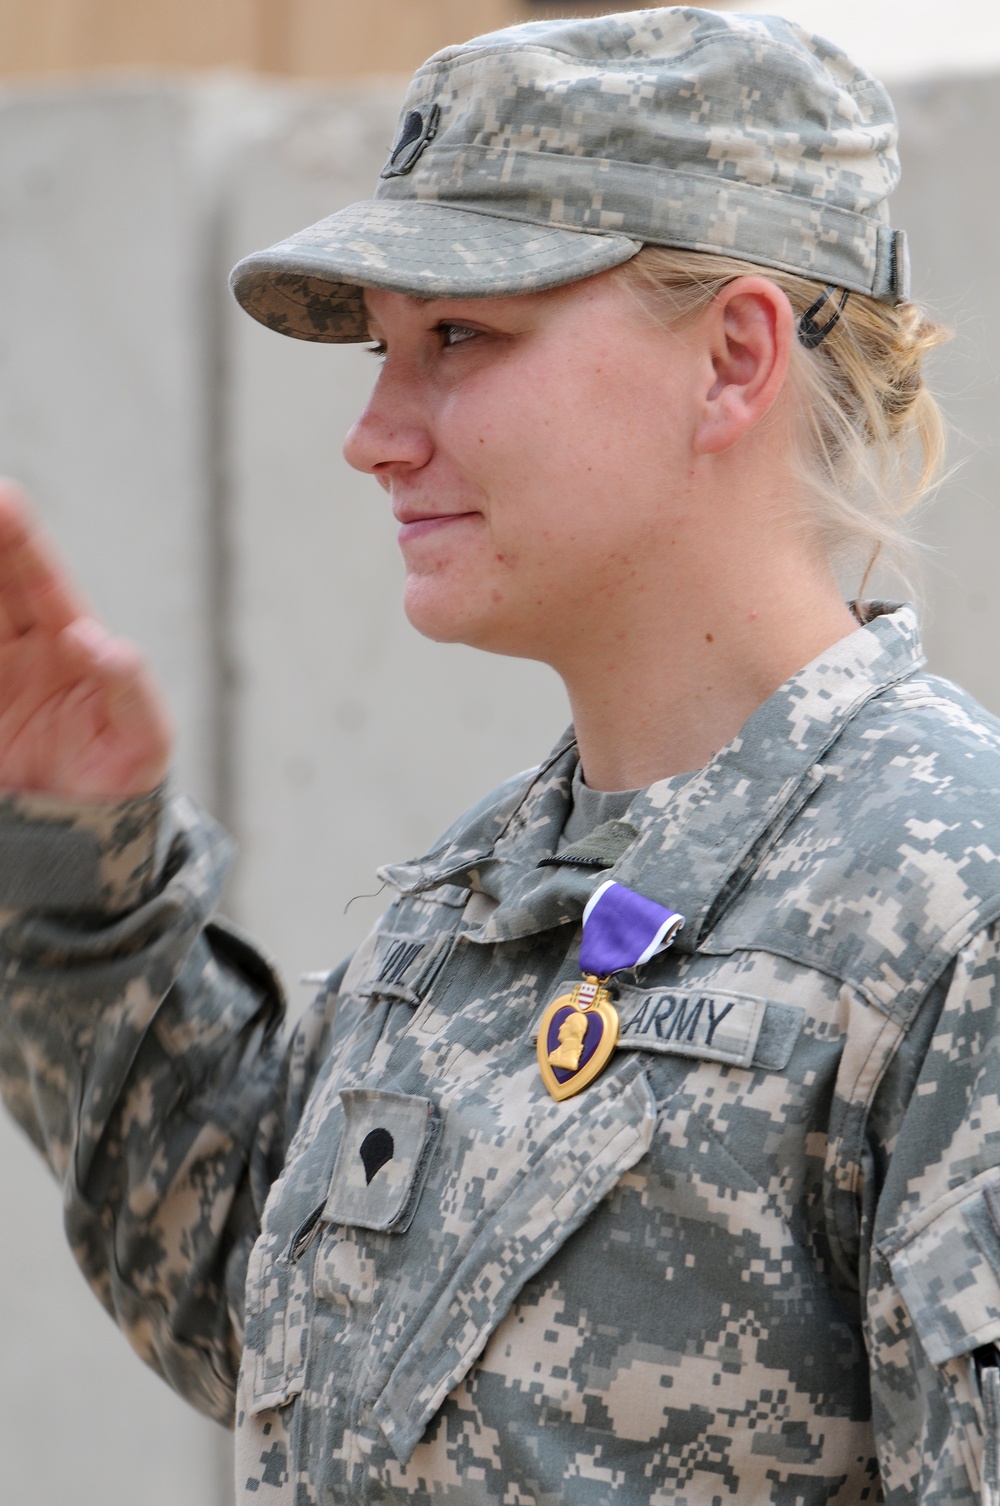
x=547, y=152
x=758, y=1260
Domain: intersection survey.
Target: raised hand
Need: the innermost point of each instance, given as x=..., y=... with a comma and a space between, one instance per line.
x=80, y=714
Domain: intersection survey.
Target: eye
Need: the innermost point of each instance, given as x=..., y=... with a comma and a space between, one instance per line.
x=454, y=334
x=449, y=333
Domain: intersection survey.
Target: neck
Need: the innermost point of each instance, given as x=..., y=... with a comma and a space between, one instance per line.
x=664, y=696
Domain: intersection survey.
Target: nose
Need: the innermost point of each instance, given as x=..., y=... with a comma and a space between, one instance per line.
x=389, y=437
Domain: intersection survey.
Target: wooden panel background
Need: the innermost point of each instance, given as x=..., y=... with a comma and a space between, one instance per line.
x=303, y=38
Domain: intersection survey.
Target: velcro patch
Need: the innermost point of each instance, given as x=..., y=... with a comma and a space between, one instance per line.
x=741, y=1030
x=402, y=967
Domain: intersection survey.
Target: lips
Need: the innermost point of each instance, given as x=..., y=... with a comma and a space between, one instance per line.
x=421, y=525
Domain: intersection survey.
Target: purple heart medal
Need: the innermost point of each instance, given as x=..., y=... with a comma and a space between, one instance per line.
x=579, y=1030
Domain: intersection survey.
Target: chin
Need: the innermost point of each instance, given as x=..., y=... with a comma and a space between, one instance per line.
x=437, y=611
x=449, y=613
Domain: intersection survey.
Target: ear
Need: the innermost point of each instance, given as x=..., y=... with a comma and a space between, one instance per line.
x=749, y=332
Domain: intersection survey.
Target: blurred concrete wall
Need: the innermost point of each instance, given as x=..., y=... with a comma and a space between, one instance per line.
x=189, y=462
x=950, y=201
x=102, y=404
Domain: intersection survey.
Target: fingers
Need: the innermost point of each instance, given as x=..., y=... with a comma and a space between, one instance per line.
x=134, y=719
x=90, y=648
x=79, y=712
x=35, y=589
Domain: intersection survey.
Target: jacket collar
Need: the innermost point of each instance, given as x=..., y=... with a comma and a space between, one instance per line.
x=694, y=847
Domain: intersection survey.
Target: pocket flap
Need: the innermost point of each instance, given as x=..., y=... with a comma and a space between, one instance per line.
x=949, y=1276
x=544, y=1207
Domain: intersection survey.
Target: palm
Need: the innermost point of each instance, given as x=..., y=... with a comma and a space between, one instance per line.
x=79, y=714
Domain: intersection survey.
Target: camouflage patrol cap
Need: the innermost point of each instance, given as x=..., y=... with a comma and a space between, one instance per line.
x=541, y=154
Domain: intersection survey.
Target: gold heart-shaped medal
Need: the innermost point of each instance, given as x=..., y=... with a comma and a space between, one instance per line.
x=576, y=1037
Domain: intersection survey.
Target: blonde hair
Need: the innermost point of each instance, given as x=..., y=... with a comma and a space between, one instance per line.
x=874, y=437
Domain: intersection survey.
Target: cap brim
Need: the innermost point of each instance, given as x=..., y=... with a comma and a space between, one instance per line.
x=311, y=285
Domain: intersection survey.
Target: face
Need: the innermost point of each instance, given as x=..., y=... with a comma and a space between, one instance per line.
x=537, y=452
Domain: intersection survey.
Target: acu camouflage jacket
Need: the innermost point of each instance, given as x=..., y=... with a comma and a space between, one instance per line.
x=758, y=1260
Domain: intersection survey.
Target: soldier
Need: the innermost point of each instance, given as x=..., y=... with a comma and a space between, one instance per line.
x=649, y=376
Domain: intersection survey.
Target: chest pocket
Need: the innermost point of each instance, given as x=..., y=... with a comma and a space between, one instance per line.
x=567, y=1163
x=412, y=1285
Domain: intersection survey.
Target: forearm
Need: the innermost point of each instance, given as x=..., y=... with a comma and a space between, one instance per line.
x=137, y=1050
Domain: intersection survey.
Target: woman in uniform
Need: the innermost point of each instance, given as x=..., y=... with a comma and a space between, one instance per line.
x=648, y=1149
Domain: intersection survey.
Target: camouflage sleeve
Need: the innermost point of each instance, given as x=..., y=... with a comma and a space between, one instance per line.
x=139, y=1051
x=934, y=1290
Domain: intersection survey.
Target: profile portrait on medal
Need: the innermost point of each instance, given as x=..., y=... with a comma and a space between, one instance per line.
x=646, y=1150
x=572, y=1031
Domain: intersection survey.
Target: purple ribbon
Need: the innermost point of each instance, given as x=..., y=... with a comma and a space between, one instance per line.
x=623, y=929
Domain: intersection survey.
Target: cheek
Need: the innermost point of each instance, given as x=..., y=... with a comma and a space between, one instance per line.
x=529, y=442
x=567, y=458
